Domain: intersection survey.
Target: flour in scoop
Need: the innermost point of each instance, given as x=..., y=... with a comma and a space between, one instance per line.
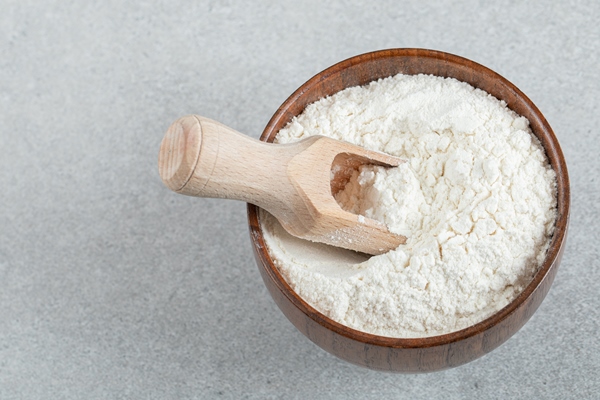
x=476, y=199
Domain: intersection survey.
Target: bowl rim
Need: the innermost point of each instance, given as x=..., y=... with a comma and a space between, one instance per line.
x=553, y=153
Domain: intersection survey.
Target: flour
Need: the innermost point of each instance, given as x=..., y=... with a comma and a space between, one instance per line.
x=476, y=199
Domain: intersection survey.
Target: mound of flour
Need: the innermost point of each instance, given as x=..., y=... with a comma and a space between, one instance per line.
x=476, y=199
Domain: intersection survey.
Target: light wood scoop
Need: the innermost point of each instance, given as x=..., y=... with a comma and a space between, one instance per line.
x=294, y=182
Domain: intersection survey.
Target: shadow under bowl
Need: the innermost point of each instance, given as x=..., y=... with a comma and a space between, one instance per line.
x=436, y=352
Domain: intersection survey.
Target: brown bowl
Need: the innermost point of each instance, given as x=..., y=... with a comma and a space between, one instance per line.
x=430, y=353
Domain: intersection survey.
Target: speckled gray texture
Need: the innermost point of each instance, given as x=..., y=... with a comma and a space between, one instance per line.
x=112, y=287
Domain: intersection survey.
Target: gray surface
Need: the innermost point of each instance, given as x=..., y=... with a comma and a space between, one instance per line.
x=113, y=287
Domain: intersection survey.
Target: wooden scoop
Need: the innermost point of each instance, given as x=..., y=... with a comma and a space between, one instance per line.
x=294, y=182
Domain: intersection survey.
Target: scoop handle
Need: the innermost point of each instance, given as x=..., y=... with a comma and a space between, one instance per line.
x=204, y=158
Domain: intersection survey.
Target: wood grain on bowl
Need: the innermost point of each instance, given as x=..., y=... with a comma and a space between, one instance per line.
x=437, y=352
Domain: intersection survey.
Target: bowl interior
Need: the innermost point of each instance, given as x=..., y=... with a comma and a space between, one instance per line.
x=368, y=67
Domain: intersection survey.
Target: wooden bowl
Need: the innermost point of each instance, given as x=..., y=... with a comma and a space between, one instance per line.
x=437, y=352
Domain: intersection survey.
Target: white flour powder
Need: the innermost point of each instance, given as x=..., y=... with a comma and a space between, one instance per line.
x=476, y=199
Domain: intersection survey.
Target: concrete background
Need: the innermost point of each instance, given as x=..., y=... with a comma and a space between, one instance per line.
x=112, y=287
